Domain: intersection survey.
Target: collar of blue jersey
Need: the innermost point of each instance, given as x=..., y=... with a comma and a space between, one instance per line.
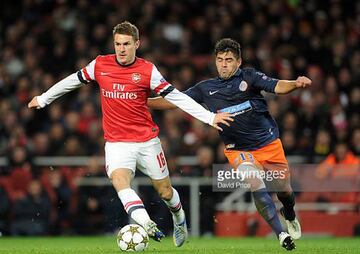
x=236, y=74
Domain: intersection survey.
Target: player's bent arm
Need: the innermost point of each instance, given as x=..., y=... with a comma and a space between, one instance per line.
x=287, y=86
x=159, y=103
x=64, y=86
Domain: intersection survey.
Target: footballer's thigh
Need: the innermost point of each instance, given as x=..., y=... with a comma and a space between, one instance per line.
x=282, y=184
x=272, y=158
x=246, y=165
x=152, y=163
x=120, y=163
x=151, y=160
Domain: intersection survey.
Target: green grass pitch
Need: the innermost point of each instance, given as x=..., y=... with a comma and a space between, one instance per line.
x=107, y=245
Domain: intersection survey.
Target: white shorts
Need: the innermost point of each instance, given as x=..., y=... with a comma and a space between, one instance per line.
x=147, y=156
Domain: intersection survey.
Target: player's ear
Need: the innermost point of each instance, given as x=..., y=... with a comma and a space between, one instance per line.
x=137, y=44
x=239, y=62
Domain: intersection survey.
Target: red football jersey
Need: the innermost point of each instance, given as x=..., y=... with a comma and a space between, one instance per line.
x=124, y=91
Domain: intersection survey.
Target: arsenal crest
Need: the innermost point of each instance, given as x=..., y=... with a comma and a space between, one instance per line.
x=136, y=77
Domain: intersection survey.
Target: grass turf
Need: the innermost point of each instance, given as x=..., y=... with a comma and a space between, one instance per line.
x=102, y=245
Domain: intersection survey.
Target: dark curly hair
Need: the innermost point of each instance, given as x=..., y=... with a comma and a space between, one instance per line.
x=226, y=45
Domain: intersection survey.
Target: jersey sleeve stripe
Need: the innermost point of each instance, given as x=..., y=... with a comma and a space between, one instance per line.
x=81, y=79
x=161, y=87
x=166, y=91
x=87, y=76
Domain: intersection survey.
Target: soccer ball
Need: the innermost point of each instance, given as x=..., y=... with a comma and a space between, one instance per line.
x=132, y=237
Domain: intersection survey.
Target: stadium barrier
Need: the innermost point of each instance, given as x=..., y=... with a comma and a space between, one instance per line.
x=233, y=207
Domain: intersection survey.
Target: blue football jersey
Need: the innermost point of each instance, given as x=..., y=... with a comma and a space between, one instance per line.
x=253, y=126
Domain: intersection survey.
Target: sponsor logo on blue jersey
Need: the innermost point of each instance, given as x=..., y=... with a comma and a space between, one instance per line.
x=229, y=146
x=237, y=109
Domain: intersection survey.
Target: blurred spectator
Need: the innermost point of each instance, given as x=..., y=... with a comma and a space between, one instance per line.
x=342, y=163
x=40, y=145
x=87, y=117
x=57, y=139
x=60, y=195
x=289, y=143
x=94, y=142
x=220, y=156
x=348, y=163
x=72, y=123
x=31, y=214
x=205, y=156
x=322, y=146
x=355, y=141
x=90, y=210
x=290, y=122
x=55, y=113
x=4, y=211
x=19, y=158
x=72, y=147
x=18, y=181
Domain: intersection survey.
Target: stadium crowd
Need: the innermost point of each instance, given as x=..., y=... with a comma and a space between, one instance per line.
x=43, y=41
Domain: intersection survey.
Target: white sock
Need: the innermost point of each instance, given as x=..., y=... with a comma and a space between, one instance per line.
x=134, y=206
x=175, y=207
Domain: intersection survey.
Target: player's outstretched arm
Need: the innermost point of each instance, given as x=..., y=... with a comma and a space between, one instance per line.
x=190, y=106
x=62, y=87
x=287, y=86
x=159, y=103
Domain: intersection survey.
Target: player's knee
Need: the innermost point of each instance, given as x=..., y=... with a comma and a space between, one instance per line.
x=285, y=194
x=120, y=179
x=251, y=175
x=283, y=186
x=166, y=192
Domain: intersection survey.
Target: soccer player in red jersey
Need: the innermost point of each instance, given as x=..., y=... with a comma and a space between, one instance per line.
x=252, y=140
x=125, y=82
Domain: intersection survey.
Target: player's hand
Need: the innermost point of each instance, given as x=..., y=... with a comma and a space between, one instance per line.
x=34, y=103
x=224, y=118
x=303, y=82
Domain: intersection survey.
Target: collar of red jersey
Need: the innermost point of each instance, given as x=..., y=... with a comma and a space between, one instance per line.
x=126, y=65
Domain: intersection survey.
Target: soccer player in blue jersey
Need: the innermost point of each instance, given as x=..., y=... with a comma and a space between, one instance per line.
x=252, y=140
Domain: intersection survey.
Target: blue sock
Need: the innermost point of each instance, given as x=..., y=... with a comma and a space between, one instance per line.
x=266, y=207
